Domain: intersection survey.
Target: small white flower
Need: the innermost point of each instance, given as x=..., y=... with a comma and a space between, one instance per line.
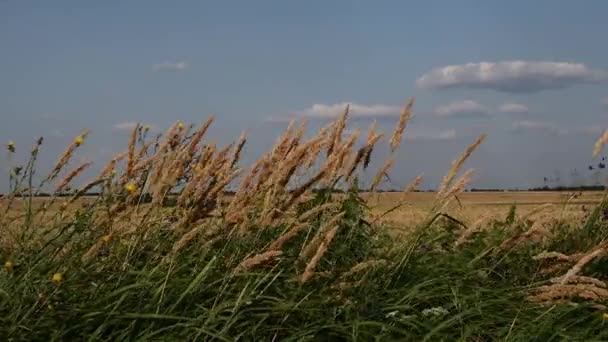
x=392, y=314
x=437, y=311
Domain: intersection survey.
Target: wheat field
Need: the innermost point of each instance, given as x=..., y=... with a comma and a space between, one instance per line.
x=476, y=205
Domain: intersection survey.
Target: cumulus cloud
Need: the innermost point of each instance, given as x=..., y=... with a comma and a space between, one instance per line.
x=125, y=126
x=170, y=66
x=512, y=76
x=524, y=125
x=515, y=108
x=324, y=111
x=468, y=108
x=554, y=128
x=447, y=134
x=590, y=130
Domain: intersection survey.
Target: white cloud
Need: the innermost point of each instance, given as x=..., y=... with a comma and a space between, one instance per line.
x=323, y=111
x=430, y=135
x=170, y=66
x=590, y=130
x=125, y=126
x=552, y=127
x=515, y=108
x=538, y=126
x=512, y=76
x=463, y=108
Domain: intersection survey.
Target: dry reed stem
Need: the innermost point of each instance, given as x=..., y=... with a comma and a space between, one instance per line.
x=536, y=229
x=599, y=144
x=472, y=229
x=599, y=251
x=457, y=188
x=314, y=261
x=342, y=153
x=316, y=240
x=238, y=149
x=305, y=216
x=395, y=140
x=70, y=176
x=336, y=134
x=369, y=149
x=558, y=256
x=457, y=165
x=287, y=236
x=198, y=135
x=550, y=293
x=111, y=165
x=257, y=260
x=65, y=157
x=414, y=184
x=381, y=173
x=363, y=266
x=371, y=133
x=575, y=279
x=131, y=153
x=185, y=239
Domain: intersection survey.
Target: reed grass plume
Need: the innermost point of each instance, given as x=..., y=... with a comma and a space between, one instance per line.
x=599, y=144
x=314, y=261
x=457, y=165
x=395, y=140
x=67, y=155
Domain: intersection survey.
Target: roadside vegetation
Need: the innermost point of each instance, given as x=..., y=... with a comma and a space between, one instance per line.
x=161, y=253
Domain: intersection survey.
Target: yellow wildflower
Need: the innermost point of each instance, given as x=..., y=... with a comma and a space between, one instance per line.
x=146, y=127
x=605, y=315
x=10, y=146
x=131, y=188
x=8, y=266
x=79, y=140
x=113, y=172
x=106, y=238
x=57, y=278
x=180, y=125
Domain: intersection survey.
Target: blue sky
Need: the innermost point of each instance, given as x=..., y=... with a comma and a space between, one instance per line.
x=536, y=82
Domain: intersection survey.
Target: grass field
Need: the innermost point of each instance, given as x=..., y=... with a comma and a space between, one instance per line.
x=278, y=262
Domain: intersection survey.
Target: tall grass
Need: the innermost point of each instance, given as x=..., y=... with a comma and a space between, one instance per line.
x=162, y=253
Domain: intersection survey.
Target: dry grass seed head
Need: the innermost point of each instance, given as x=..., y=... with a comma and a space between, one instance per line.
x=287, y=236
x=363, y=266
x=552, y=293
x=395, y=140
x=314, y=261
x=316, y=240
x=257, y=260
x=599, y=251
x=414, y=184
x=599, y=144
x=239, y=148
x=70, y=176
x=381, y=173
x=131, y=152
x=66, y=155
x=336, y=134
x=198, y=135
x=457, y=165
